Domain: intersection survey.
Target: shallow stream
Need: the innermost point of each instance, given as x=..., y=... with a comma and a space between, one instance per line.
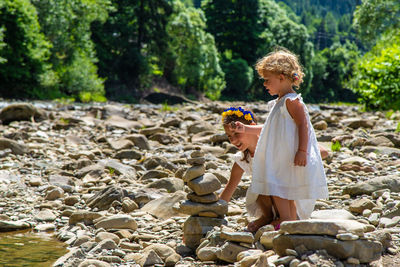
x=27, y=248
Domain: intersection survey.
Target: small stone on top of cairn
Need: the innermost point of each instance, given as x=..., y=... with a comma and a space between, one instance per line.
x=206, y=210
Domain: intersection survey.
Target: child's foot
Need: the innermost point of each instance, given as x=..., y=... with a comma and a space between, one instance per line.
x=257, y=224
x=277, y=224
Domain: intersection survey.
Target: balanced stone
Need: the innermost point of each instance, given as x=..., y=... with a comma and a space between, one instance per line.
x=192, y=208
x=205, y=184
x=193, y=172
x=209, y=198
x=194, y=229
x=196, y=161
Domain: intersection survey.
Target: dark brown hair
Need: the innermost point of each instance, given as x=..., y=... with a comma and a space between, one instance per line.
x=228, y=119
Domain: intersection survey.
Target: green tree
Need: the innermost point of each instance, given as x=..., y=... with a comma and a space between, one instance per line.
x=234, y=25
x=331, y=68
x=131, y=45
x=280, y=30
x=66, y=23
x=24, y=51
x=376, y=76
x=239, y=77
x=374, y=17
x=196, y=62
x=2, y=43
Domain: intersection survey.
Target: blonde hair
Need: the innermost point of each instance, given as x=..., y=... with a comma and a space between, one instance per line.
x=281, y=61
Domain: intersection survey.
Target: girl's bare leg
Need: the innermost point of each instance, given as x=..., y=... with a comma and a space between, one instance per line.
x=286, y=208
x=265, y=203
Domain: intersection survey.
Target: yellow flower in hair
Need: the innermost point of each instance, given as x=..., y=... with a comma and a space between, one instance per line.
x=248, y=117
x=229, y=112
x=239, y=113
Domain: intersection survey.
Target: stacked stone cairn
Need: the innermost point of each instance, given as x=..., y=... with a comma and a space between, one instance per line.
x=206, y=210
x=297, y=243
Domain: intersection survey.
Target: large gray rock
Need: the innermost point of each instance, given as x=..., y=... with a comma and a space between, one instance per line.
x=162, y=207
x=205, y=184
x=325, y=227
x=7, y=226
x=391, y=151
x=139, y=140
x=164, y=139
x=117, y=222
x=104, y=198
x=120, y=144
x=16, y=148
x=391, y=182
x=116, y=121
x=87, y=217
x=151, y=174
x=171, y=184
x=359, y=205
x=199, y=126
x=333, y=214
x=364, y=250
x=126, y=170
x=356, y=123
x=21, y=112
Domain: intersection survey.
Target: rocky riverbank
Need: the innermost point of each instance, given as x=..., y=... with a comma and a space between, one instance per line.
x=108, y=179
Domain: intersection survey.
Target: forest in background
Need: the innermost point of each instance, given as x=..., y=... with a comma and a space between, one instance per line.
x=94, y=50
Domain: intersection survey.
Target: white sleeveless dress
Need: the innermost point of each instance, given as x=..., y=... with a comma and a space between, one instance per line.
x=273, y=169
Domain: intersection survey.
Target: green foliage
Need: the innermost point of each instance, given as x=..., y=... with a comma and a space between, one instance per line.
x=64, y=121
x=2, y=44
x=24, y=50
x=165, y=107
x=374, y=17
x=196, y=62
x=86, y=97
x=336, y=146
x=376, y=76
x=66, y=23
x=234, y=25
x=331, y=68
x=280, y=30
x=64, y=100
x=131, y=46
x=388, y=114
x=111, y=170
x=238, y=76
x=251, y=29
x=398, y=128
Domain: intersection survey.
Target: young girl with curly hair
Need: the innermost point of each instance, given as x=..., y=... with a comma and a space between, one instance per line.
x=287, y=166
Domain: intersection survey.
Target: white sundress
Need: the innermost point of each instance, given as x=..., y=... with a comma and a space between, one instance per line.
x=272, y=168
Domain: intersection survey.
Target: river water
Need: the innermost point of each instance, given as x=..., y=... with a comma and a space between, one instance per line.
x=27, y=248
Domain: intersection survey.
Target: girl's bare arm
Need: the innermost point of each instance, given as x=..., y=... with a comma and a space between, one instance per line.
x=236, y=176
x=296, y=110
x=249, y=129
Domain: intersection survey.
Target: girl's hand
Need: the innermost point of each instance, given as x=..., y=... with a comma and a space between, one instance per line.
x=237, y=126
x=301, y=158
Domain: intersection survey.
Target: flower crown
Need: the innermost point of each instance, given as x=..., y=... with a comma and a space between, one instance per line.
x=239, y=112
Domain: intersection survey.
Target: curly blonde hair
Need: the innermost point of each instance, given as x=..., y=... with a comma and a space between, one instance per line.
x=281, y=61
